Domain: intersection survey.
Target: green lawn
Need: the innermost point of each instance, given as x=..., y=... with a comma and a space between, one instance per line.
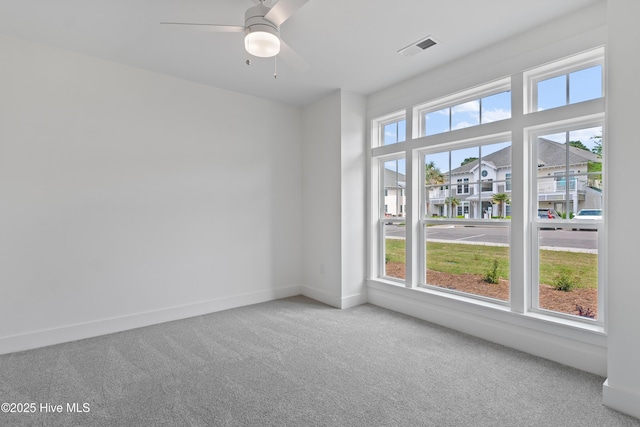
x=456, y=258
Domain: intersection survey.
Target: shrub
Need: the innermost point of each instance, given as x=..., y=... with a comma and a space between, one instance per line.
x=564, y=282
x=492, y=275
x=387, y=258
x=585, y=312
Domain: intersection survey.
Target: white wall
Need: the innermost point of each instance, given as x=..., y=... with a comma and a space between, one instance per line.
x=321, y=124
x=129, y=198
x=333, y=161
x=353, y=199
x=622, y=390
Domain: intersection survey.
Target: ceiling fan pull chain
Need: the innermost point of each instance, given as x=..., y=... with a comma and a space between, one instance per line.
x=275, y=67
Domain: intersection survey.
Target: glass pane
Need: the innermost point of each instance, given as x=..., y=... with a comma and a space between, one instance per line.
x=585, y=84
x=496, y=107
x=568, y=271
x=469, y=259
x=395, y=183
x=393, y=207
x=465, y=115
x=394, y=250
x=436, y=184
x=552, y=93
x=458, y=204
x=458, y=186
x=554, y=194
x=436, y=122
x=588, y=176
x=494, y=196
x=394, y=132
x=570, y=173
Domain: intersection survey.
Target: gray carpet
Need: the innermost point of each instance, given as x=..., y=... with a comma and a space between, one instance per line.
x=296, y=362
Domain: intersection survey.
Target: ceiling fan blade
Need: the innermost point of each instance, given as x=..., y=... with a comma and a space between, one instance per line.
x=203, y=27
x=292, y=59
x=283, y=10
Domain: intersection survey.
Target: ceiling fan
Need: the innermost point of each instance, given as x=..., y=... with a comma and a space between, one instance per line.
x=261, y=29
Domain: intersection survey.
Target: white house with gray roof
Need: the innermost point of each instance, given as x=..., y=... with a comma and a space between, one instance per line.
x=469, y=189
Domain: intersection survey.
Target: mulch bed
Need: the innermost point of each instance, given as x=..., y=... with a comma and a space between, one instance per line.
x=550, y=298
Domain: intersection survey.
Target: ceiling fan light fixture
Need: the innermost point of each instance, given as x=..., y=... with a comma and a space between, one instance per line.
x=262, y=43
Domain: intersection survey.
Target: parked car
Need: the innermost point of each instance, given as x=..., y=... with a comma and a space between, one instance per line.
x=548, y=214
x=589, y=214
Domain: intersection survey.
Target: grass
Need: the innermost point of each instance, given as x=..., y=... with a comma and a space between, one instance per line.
x=456, y=258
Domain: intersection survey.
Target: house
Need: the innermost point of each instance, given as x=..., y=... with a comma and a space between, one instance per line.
x=129, y=197
x=394, y=193
x=467, y=187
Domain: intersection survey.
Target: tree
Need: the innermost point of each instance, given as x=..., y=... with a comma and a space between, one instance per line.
x=501, y=199
x=468, y=160
x=453, y=202
x=595, y=180
x=433, y=176
x=597, y=140
x=579, y=144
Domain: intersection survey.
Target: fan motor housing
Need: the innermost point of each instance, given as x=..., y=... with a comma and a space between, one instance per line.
x=254, y=20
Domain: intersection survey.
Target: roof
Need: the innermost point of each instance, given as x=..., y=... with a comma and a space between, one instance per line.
x=550, y=153
x=393, y=179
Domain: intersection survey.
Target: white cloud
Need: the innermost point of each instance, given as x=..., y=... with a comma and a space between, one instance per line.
x=467, y=107
x=495, y=115
x=463, y=124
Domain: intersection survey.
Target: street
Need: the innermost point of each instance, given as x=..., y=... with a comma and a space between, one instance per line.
x=562, y=238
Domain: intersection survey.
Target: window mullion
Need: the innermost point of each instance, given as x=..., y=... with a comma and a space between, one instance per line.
x=412, y=220
x=520, y=239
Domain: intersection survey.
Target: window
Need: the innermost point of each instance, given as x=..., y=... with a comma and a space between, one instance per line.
x=463, y=189
x=572, y=80
x=472, y=113
x=392, y=183
x=570, y=88
x=448, y=115
x=463, y=194
x=569, y=179
x=394, y=132
x=391, y=129
x=455, y=228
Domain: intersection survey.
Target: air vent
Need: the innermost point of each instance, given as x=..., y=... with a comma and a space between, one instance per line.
x=418, y=46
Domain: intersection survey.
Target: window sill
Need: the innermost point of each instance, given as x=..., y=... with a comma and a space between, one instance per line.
x=573, y=343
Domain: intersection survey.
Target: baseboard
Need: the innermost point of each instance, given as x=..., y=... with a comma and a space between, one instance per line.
x=42, y=338
x=354, y=300
x=322, y=296
x=332, y=300
x=621, y=400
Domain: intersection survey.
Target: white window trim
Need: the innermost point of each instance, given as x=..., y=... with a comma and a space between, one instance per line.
x=382, y=219
x=449, y=101
x=377, y=127
x=531, y=138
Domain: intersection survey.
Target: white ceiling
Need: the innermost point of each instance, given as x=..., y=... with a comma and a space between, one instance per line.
x=349, y=44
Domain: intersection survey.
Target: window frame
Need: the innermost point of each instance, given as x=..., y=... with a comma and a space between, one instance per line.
x=531, y=139
x=383, y=220
x=379, y=125
x=448, y=102
x=424, y=220
x=566, y=66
